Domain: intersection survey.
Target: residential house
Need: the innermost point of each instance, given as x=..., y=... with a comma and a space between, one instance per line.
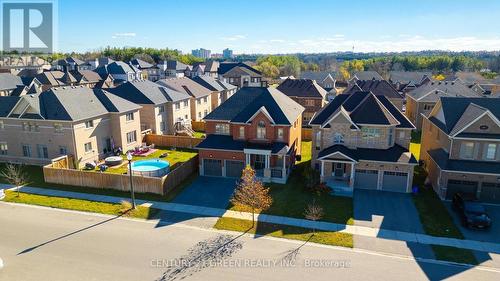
x=52, y=79
x=71, y=64
x=120, y=71
x=198, y=69
x=260, y=127
x=379, y=88
x=325, y=79
x=86, y=78
x=221, y=90
x=364, y=75
x=99, y=62
x=240, y=75
x=85, y=123
x=172, y=69
x=9, y=83
x=421, y=101
x=201, y=97
x=361, y=140
x=307, y=93
x=211, y=68
x=149, y=71
x=405, y=81
x=461, y=147
x=164, y=111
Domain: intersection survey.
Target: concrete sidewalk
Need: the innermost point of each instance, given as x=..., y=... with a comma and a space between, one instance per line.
x=325, y=226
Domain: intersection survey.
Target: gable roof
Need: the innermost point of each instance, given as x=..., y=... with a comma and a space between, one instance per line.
x=52, y=78
x=147, y=92
x=378, y=87
x=226, y=66
x=88, y=76
x=406, y=77
x=212, y=66
x=433, y=90
x=185, y=85
x=7, y=104
x=367, y=75
x=470, y=78
x=240, y=70
x=245, y=103
x=319, y=76
x=363, y=108
x=141, y=64
x=9, y=81
x=302, y=88
x=212, y=83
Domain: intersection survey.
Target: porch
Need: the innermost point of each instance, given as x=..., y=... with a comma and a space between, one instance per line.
x=268, y=167
x=338, y=175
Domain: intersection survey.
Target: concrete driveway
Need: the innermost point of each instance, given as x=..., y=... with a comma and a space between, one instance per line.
x=386, y=210
x=490, y=235
x=208, y=192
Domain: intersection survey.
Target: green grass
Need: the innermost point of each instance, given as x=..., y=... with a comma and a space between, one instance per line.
x=175, y=158
x=453, y=254
x=79, y=205
x=199, y=134
x=433, y=213
x=291, y=199
x=415, y=150
x=287, y=232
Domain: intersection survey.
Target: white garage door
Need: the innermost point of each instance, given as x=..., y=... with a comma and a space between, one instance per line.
x=212, y=167
x=366, y=179
x=234, y=168
x=395, y=181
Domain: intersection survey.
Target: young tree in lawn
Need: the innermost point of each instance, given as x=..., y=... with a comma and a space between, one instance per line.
x=314, y=213
x=251, y=193
x=15, y=175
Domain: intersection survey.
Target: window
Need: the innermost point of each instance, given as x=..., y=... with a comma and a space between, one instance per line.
x=206, y=112
x=199, y=114
x=177, y=105
x=63, y=150
x=318, y=140
x=186, y=117
x=2, y=126
x=491, y=151
x=370, y=133
x=89, y=124
x=222, y=129
x=261, y=130
x=129, y=116
x=309, y=103
x=205, y=99
x=428, y=106
x=198, y=101
x=26, y=150
x=338, y=138
x=401, y=135
x=391, y=134
x=186, y=104
x=58, y=128
x=3, y=148
x=162, y=126
x=242, y=132
x=43, y=151
x=88, y=147
x=131, y=137
x=467, y=150
x=161, y=109
x=280, y=133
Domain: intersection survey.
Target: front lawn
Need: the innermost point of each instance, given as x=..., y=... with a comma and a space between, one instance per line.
x=291, y=199
x=79, y=205
x=174, y=157
x=453, y=254
x=287, y=232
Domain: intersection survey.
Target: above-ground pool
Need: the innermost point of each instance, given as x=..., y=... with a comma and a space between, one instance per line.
x=150, y=168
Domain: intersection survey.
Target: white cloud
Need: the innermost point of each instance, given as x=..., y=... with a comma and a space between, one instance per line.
x=234, y=37
x=124, y=35
x=277, y=41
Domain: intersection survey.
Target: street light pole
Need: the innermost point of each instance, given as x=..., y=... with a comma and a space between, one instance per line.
x=129, y=158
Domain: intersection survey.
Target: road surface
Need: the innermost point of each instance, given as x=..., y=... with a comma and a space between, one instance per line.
x=44, y=244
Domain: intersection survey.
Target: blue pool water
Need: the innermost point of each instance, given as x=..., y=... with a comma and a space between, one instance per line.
x=149, y=165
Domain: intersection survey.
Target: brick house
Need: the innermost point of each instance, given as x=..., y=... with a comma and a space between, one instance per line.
x=361, y=140
x=260, y=127
x=461, y=147
x=307, y=93
x=378, y=88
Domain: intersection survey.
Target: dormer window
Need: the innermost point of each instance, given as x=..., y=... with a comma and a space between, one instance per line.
x=261, y=130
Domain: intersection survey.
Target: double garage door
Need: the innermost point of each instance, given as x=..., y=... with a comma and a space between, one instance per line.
x=466, y=187
x=490, y=192
x=213, y=168
x=391, y=181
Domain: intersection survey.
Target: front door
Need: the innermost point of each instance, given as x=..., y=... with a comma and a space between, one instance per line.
x=260, y=162
x=338, y=171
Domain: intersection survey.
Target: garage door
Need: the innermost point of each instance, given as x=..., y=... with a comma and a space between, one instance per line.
x=234, y=168
x=366, y=179
x=395, y=181
x=212, y=167
x=490, y=192
x=454, y=186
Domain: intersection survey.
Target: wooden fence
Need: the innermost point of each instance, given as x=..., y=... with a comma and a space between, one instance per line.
x=99, y=180
x=172, y=141
x=198, y=126
x=63, y=162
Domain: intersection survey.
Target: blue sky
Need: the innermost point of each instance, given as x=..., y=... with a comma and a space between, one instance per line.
x=279, y=26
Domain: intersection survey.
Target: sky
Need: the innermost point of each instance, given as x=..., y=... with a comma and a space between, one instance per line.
x=280, y=26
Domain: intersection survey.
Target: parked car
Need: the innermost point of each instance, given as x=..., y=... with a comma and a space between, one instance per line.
x=472, y=213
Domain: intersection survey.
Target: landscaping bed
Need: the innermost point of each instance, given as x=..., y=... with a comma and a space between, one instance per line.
x=287, y=232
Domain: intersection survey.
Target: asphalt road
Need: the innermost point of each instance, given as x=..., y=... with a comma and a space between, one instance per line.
x=42, y=244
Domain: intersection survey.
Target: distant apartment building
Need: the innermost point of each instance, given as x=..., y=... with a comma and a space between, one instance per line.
x=85, y=123
x=227, y=53
x=201, y=53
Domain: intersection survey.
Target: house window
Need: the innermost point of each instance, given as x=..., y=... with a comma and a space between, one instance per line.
x=198, y=101
x=280, y=134
x=261, y=130
x=491, y=151
x=131, y=137
x=199, y=114
x=186, y=104
x=242, y=132
x=129, y=116
x=370, y=133
x=63, y=150
x=89, y=124
x=391, y=134
x=205, y=99
x=467, y=150
x=43, y=151
x=177, y=105
x=206, y=112
x=318, y=140
x=58, y=128
x=162, y=126
x=338, y=138
x=2, y=126
x=401, y=135
x=3, y=148
x=26, y=150
x=161, y=109
x=428, y=106
x=222, y=129
x=88, y=147
x=309, y=102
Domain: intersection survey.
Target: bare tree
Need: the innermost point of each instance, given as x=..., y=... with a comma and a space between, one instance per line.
x=15, y=175
x=251, y=193
x=314, y=213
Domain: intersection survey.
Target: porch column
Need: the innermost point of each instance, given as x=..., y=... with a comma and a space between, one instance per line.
x=247, y=159
x=267, y=170
x=322, y=169
x=351, y=179
x=268, y=161
x=284, y=167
